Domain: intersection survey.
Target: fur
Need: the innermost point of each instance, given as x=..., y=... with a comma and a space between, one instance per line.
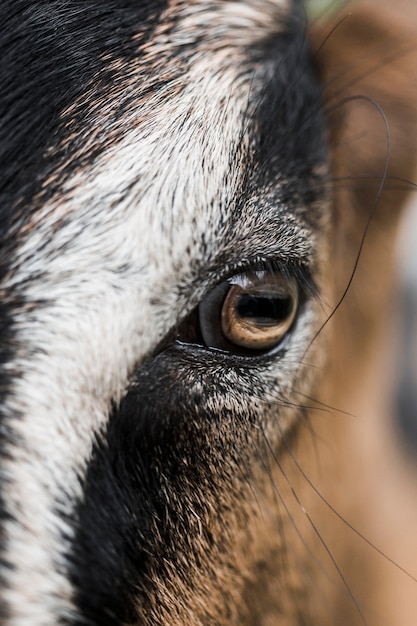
x=149, y=152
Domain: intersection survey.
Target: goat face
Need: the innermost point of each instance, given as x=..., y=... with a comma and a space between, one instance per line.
x=165, y=270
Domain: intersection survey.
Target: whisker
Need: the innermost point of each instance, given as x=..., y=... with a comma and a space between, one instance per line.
x=316, y=531
x=343, y=519
x=281, y=499
x=333, y=30
x=370, y=216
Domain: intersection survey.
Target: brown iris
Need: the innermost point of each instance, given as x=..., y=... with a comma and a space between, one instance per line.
x=258, y=310
x=251, y=312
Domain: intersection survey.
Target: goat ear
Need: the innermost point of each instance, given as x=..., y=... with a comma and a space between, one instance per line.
x=369, y=73
x=368, y=67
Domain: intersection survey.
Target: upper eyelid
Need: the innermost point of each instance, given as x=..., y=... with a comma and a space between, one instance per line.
x=290, y=269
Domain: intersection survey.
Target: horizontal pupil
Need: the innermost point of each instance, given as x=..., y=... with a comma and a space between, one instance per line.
x=266, y=310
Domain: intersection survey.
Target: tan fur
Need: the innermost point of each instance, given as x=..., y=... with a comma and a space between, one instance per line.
x=355, y=459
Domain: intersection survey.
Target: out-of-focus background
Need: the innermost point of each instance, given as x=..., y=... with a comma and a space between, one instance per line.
x=315, y=8
x=406, y=398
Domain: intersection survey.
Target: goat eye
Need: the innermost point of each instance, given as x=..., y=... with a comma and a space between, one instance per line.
x=250, y=312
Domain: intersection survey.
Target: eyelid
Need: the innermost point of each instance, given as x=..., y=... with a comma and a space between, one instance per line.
x=298, y=269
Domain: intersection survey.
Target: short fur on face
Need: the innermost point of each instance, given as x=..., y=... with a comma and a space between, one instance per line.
x=152, y=154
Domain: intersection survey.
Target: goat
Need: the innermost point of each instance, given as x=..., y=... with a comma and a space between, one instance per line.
x=199, y=206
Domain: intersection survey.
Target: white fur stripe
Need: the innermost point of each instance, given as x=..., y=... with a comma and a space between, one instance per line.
x=105, y=286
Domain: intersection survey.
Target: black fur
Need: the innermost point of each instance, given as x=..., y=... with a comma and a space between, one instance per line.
x=51, y=54
x=144, y=512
